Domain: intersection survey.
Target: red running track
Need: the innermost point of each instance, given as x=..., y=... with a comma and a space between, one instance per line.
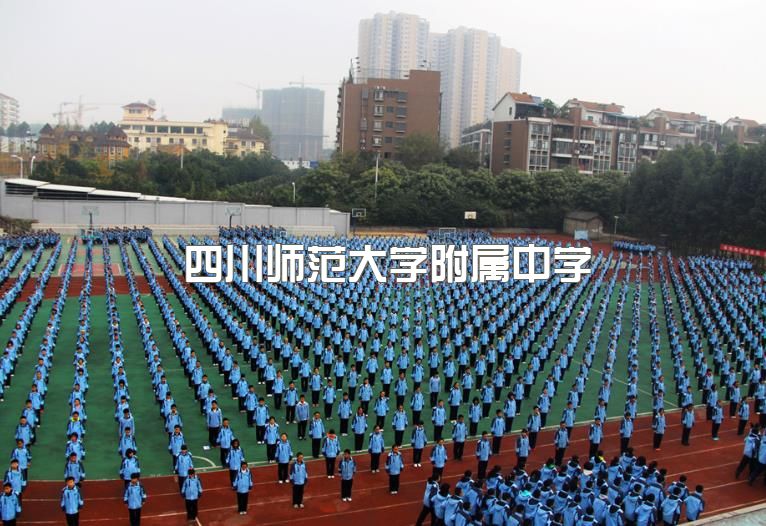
x=704, y=462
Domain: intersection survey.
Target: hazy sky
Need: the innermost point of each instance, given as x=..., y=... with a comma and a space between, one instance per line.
x=189, y=56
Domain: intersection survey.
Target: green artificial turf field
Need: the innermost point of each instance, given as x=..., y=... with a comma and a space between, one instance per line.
x=102, y=460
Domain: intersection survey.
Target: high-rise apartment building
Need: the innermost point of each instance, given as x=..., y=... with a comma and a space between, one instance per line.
x=374, y=115
x=391, y=44
x=476, y=70
x=295, y=117
x=9, y=111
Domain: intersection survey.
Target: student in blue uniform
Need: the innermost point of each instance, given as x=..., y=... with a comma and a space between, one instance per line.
x=243, y=483
x=432, y=488
x=750, y=452
x=560, y=442
x=459, y=433
x=418, y=443
x=134, y=497
x=346, y=469
x=394, y=467
x=498, y=429
x=626, y=432
x=359, y=428
x=284, y=453
x=10, y=507
x=658, y=425
x=523, y=448
x=71, y=502
x=330, y=450
x=438, y=459
x=299, y=477
x=483, y=452
x=376, y=448
x=695, y=504
x=687, y=422
x=191, y=491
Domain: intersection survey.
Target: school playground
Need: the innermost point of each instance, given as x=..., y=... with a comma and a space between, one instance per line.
x=705, y=461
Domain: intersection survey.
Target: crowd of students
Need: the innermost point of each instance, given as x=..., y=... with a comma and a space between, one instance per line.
x=16, y=476
x=377, y=351
x=634, y=246
x=628, y=490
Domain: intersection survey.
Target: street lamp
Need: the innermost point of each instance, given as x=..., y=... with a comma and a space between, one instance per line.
x=293, y=183
x=616, y=218
x=21, y=165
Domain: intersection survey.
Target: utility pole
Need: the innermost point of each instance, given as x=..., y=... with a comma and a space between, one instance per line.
x=377, y=163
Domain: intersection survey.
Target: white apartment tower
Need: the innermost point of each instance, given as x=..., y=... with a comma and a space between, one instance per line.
x=476, y=72
x=391, y=44
x=9, y=111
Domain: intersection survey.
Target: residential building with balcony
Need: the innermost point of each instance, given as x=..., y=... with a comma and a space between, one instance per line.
x=375, y=115
x=747, y=132
x=478, y=138
x=669, y=130
x=590, y=137
x=77, y=144
x=242, y=141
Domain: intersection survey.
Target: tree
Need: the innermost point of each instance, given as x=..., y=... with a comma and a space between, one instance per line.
x=419, y=149
x=100, y=127
x=464, y=158
x=260, y=129
x=551, y=108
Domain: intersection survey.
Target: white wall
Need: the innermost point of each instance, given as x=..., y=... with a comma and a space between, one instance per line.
x=170, y=213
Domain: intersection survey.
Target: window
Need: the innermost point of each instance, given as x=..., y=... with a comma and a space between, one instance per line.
x=162, y=129
x=135, y=139
x=377, y=140
x=181, y=140
x=378, y=110
x=379, y=93
x=389, y=140
x=158, y=140
x=401, y=96
x=175, y=129
x=200, y=131
x=204, y=142
x=189, y=130
x=148, y=139
x=389, y=109
x=365, y=93
x=401, y=127
x=377, y=125
x=363, y=124
x=171, y=140
x=194, y=142
x=390, y=124
x=401, y=112
x=149, y=129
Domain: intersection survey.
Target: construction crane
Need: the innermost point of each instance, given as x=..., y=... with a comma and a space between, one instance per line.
x=258, y=92
x=77, y=111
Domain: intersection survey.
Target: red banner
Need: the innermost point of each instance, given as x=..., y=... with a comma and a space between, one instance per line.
x=743, y=250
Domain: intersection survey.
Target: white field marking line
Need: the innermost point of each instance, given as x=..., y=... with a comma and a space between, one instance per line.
x=614, y=378
x=212, y=464
x=503, y=451
x=726, y=484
